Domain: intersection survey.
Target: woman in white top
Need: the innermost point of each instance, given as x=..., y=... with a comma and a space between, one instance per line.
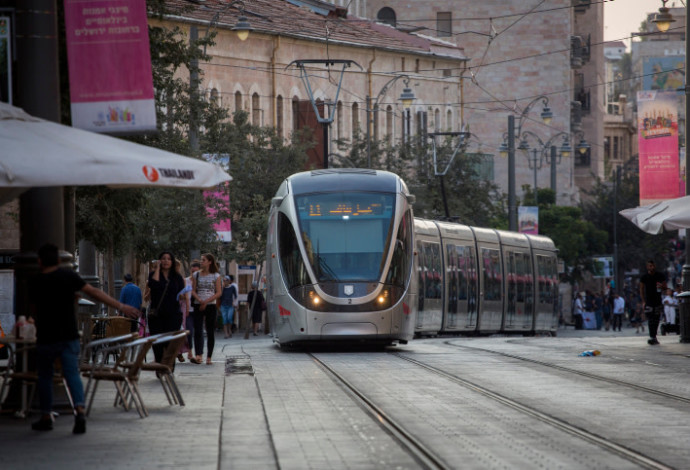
x=206, y=288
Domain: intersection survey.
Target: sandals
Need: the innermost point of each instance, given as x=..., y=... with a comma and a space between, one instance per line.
x=194, y=360
x=180, y=357
x=208, y=361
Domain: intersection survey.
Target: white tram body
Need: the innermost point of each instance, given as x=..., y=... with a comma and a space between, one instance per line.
x=347, y=261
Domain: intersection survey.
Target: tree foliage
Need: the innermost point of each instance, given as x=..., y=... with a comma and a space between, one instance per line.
x=634, y=245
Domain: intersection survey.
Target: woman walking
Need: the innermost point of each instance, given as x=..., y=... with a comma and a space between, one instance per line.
x=165, y=314
x=206, y=288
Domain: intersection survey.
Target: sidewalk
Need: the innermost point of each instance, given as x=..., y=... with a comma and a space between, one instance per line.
x=193, y=436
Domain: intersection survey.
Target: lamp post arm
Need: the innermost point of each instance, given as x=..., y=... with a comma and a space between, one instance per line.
x=525, y=112
x=386, y=87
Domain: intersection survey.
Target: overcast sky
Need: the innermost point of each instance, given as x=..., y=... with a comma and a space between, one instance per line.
x=622, y=17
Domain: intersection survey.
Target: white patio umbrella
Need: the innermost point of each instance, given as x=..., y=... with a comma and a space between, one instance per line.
x=672, y=214
x=39, y=153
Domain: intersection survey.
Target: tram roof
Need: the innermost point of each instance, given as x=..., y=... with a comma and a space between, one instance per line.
x=344, y=179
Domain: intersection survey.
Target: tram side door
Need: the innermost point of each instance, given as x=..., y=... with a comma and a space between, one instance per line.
x=421, y=288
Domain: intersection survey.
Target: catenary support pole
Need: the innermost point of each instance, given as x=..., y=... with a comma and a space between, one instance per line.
x=685, y=304
x=512, y=203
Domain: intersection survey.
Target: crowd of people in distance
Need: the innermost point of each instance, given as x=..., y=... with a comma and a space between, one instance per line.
x=649, y=300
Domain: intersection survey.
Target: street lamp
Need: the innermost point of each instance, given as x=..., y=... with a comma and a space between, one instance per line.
x=406, y=97
x=509, y=149
x=663, y=21
x=539, y=155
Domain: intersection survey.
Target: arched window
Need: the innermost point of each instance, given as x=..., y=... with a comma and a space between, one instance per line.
x=295, y=113
x=355, y=118
x=449, y=120
x=437, y=120
x=238, y=101
x=214, y=97
x=389, y=124
x=256, y=110
x=279, y=116
x=339, y=120
x=386, y=15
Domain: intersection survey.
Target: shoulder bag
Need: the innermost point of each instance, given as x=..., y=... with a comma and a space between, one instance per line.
x=153, y=312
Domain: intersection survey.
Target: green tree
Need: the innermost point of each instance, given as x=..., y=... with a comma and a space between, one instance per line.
x=634, y=245
x=575, y=236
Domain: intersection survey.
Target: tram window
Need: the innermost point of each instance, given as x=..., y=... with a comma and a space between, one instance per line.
x=291, y=262
x=452, y=270
x=511, y=273
x=492, y=274
x=420, y=275
x=545, y=281
x=528, y=282
x=462, y=264
x=399, y=271
x=471, y=271
x=433, y=272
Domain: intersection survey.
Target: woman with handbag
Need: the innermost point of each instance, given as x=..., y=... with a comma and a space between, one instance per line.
x=164, y=313
x=206, y=289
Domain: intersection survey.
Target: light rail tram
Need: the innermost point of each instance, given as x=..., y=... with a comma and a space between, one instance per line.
x=347, y=261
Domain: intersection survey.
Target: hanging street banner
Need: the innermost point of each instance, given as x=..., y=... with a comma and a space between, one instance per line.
x=528, y=220
x=218, y=201
x=111, y=85
x=657, y=133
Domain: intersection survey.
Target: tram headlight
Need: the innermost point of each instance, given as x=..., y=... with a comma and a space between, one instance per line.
x=314, y=299
x=383, y=298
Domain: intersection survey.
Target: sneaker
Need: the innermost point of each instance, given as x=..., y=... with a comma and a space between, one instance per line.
x=42, y=425
x=79, y=424
x=652, y=341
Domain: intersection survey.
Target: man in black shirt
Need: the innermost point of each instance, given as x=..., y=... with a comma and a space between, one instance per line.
x=652, y=284
x=57, y=336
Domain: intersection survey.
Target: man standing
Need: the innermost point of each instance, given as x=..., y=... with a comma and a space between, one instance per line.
x=618, y=311
x=652, y=284
x=131, y=295
x=52, y=304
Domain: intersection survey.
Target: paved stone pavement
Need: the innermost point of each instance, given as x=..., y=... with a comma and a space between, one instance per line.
x=222, y=426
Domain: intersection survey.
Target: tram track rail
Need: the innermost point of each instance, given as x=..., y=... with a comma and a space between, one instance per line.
x=569, y=370
x=618, y=449
x=426, y=458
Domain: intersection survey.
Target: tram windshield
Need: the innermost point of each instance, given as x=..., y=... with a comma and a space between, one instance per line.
x=346, y=235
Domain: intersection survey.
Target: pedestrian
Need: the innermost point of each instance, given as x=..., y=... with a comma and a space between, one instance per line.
x=618, y=311
x=599, y=309
x=652, y=283
x=257, y=306
x=131, y=295
x=183, y=299
x=165, y=315
x=227, y=304
x=189, y=321
x=206, y=288
x=670, y=304
x=606, y=309
x=51, y=296
x=578, y=310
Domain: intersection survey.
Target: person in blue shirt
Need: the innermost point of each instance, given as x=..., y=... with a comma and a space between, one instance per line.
x=228, y=303
x=131, y=295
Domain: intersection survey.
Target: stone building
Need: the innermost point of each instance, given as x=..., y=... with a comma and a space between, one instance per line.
x=516, y=53
x=261, y=77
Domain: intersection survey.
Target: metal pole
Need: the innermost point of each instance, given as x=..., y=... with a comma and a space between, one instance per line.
x=325, y=145
x=445, y=202
x=536, y=196
x=685, y=304
x=512, y=203
x=368, y=131
x=553, y=170
x=616, y=183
